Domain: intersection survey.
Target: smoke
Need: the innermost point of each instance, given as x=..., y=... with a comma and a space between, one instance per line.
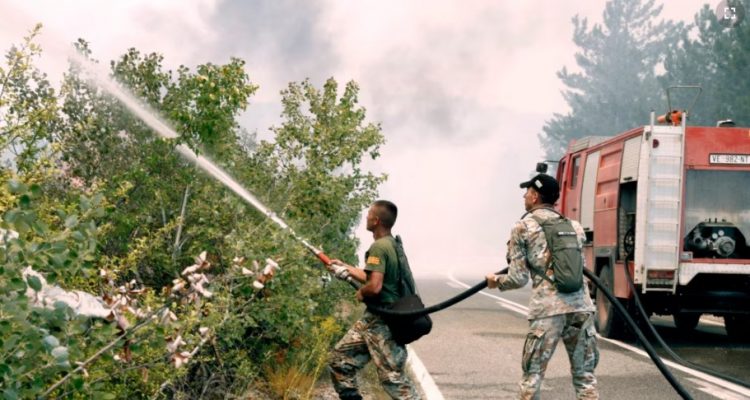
x=461, y=88
x=280, y=40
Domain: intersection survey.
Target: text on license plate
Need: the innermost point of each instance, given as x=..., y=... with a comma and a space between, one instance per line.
x=729, y=158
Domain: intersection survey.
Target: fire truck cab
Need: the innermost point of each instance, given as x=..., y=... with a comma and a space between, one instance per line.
x=674, y=200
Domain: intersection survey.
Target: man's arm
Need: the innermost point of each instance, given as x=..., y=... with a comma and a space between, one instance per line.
x=373, y=280
x=373, y=286
x=518, y=273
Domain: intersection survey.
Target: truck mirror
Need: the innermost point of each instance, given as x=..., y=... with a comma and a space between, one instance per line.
x=541, y=167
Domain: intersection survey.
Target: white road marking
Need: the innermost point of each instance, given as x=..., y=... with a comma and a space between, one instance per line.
x=429, y=388
x=715, y=391
x=513, y=307
x=718, y=384
x=455, y=285
x=510, y=305
x=708, y=378
x=710, y=322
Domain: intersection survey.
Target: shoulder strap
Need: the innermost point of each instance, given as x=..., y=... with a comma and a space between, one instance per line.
x=539, y=273
x=542, y=208
x=533, y=269
x=405, y=278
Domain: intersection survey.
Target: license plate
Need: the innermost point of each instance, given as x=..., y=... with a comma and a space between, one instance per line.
x=729, y=158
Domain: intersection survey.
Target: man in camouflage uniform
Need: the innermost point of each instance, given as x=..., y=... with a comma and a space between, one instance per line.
x=553, y=315
x=370, y=337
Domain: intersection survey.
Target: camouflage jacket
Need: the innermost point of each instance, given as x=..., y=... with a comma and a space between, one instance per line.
x=528, y=244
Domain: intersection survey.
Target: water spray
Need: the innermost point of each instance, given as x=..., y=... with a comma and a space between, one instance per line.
x=162, y=128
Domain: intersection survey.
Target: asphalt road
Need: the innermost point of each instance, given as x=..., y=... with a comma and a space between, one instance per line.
x=474, y=352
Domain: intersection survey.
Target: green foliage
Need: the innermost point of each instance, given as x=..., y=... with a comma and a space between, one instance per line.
x=102, y=204
x=39, y=343
x=28, y=109
x=315, y=160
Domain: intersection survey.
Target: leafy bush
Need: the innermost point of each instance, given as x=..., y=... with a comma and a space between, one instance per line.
x=101, y=204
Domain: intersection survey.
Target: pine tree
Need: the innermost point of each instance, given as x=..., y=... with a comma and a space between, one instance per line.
x=617, y=86
x=716, y=57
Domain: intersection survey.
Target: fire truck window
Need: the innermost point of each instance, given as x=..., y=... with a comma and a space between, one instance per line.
x=561, y=173
x=576, y=167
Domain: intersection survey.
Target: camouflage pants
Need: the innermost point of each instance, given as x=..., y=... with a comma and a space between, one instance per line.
x=579, y=336
x=370, y=338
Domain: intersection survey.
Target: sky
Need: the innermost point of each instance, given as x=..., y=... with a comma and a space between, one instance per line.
x=461, y=89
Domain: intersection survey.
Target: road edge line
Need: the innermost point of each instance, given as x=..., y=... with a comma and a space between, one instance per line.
x=422, y=376
x=698, y=374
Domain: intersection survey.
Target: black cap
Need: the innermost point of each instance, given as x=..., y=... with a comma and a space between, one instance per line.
x=546, y=185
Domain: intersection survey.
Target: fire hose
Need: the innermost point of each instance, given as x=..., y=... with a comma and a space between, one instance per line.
x=600, y=285
x=164, y=130
x=661, y=341
x=646, y=345
x=618, y=306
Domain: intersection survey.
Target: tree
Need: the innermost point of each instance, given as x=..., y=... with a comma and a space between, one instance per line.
x=28, y=107
x=616, y=87
x=717, y=58
x=98, y=196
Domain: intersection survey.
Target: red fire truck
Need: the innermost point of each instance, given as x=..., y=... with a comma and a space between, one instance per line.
x=677, y=198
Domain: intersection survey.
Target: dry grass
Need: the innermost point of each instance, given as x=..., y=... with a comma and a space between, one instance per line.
x=289, y=382
x=297, y=378
x=306, y=377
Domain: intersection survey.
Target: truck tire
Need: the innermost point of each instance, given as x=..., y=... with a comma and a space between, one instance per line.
x=609, y=323
x=686, y=321
x=738, y=327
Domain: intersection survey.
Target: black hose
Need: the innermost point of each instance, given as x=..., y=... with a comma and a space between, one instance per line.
x=646, y=345
x=619, y=307
x=664, y=345
x=434, y=308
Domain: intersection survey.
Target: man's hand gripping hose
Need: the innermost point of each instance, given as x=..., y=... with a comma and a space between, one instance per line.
x=341, y=271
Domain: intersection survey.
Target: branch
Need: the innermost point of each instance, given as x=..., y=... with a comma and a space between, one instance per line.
x=177, y=244
x=11, y=70
x=147, y=320
x=26, y=43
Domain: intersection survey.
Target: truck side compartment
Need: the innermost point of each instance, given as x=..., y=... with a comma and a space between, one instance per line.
x=674, y=198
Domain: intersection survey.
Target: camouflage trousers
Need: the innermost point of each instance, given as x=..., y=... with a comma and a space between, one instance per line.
x=579, y=336
x=370, y=339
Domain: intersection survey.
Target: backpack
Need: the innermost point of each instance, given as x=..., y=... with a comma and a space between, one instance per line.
x=406, y=329
x=566, y=262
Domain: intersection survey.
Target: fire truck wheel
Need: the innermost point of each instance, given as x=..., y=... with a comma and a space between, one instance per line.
x=686, y=321
x=738, y=327
x=609, y=322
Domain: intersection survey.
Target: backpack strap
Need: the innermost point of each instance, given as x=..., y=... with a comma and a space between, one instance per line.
x=406, y=284
x=532, y=269
x=542, y=208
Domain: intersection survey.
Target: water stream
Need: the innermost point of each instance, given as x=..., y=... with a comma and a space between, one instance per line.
x=104, y=81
